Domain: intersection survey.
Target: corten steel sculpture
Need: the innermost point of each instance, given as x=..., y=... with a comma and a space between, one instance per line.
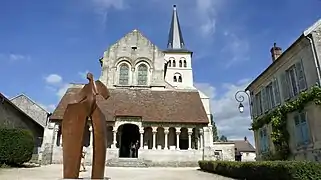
x=84, y=106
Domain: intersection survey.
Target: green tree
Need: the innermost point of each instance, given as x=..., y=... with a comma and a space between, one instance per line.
x=223, y=138
x=214, y=129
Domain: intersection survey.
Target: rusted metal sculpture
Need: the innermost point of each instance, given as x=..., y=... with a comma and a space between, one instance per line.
x=84, y=106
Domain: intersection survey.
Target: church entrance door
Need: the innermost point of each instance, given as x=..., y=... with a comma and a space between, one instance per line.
x=129, y=136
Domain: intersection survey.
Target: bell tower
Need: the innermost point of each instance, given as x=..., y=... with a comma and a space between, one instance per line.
x=179, y=67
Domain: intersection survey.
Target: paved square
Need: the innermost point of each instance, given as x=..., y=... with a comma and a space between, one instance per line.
x=54, y=172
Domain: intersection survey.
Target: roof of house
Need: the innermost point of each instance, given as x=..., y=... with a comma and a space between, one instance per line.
x=304, y=34
x=23, y=95
x=4, y=98
x=243, y=146
x=169, y=106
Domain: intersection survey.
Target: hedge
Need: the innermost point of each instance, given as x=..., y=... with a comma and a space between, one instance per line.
x=264, y=170
x=16, y=146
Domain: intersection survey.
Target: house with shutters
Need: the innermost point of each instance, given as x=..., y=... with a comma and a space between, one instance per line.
x=291, y=72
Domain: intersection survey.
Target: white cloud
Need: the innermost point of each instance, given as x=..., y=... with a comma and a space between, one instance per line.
x=236, y=49
x=56, y=84
x=15, y=57
x=53, y=79
x=102, y=7
x=83, y=75
x=49, y=108
x=62, y=90
x=207, y=15
x=229, y=121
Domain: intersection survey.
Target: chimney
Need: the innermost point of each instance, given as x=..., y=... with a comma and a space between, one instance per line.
x=275, y=52
x=245, y=138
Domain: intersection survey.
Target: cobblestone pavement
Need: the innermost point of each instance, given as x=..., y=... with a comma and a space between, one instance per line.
x=54, y=172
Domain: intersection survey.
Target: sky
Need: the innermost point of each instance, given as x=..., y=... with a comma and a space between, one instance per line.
x=45, y=45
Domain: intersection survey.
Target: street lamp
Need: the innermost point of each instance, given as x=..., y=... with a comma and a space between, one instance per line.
x=240, y=98
x=241, y=108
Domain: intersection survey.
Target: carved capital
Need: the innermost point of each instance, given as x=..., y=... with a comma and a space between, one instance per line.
x=178, y=133
x=190, y=131
x=56, y=128
x=141, y=131
x=166, y=130
x=90, y=128
x=178, y=129
x=201, y=131
x=154, y=129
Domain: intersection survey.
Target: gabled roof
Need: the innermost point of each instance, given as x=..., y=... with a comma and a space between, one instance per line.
x=23, y=95
x=3, y=98
x=167, y=106
x=21, y=100
x=305, y=33
x=243, y=146
x=312, y=28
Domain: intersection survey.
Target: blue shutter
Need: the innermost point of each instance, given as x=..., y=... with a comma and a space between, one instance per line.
x=300, y=76
x=276, y=92
x=304, y=128
x=260, y=140
x=285, y=86
x=265, y=100
x=298, y=133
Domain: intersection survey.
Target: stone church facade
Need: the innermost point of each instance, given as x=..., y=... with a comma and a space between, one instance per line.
x=153, y=101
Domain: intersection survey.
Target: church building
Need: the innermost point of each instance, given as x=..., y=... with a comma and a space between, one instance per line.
x=153, y=101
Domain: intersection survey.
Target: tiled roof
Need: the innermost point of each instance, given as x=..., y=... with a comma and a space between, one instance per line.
x=3, y=98
x=243, y=146
x=153, y=106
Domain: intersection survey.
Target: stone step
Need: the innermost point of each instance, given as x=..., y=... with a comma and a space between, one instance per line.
x=126, y=162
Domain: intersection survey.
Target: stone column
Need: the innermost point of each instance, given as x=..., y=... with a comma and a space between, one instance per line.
x=178, y=132
x=91, y=136
x=114, y=138
x=166, y=131
x=190, y=132
x=154, y=137
x=201, y=138
x=56, y=129
x=141, y=131
x=60, y=139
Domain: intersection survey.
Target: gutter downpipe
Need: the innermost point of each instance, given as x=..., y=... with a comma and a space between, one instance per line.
x=315, y=57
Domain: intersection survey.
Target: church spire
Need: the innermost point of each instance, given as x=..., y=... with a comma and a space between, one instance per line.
x=175, y=37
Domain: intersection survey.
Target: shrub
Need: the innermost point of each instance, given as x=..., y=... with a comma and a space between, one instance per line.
x=264, y=170
x=16, y=146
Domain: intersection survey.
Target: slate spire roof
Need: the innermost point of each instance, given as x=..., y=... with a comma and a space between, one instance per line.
x=175, y=37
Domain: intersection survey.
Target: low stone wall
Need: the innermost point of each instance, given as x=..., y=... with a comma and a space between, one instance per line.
x=165, y=158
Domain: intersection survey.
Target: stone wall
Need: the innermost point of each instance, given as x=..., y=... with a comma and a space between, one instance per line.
x=165, y=158
x=12, y=117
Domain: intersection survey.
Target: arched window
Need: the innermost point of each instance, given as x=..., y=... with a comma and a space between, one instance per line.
x=174, y=63
x=179, y=78
x=124, y=74
x=142, y=74
x=180, y=63
x=185, y=65
x=169, y=63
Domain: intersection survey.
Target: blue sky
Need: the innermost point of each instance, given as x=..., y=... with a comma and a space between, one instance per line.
x=44, y=45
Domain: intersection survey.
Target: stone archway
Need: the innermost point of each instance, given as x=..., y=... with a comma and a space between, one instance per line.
x=129, y=133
